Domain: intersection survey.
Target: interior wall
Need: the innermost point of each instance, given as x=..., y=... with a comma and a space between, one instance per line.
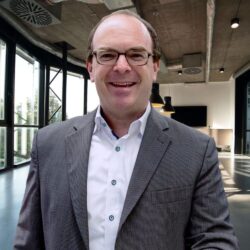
x=219, y=97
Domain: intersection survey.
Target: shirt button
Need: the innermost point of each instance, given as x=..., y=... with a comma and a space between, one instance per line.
x=117, y=148
x=111, y=217
x=113, y=182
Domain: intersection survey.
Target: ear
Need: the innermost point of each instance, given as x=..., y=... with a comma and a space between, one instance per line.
x=156, y=67
x=90, y=70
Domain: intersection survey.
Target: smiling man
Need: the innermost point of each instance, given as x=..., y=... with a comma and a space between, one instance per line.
x=123, y=68
x=124, y=177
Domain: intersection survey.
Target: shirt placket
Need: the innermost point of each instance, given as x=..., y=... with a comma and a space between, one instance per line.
x=114, y=192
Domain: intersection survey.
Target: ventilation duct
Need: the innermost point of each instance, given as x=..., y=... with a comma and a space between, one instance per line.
x=192, y=64
x=110, y=4
x=33, y=13
x=21, y=28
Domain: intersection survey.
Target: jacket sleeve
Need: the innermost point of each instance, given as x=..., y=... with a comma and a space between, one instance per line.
x=209, y=226
x=29, y=233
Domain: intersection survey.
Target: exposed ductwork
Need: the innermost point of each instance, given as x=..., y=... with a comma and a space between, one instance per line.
x=84, y=1
x=210, y=27
x=34, y=39
x=32, y=12
x=110, y=4
x=192, y=63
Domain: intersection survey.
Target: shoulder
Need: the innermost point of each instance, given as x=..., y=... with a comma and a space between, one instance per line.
x=59, y=130
x=175, y=128
x=179, y=133
x=181, y=130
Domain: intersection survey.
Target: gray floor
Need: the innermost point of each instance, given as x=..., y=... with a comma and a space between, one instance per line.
x=236, y=175
x=12, y=185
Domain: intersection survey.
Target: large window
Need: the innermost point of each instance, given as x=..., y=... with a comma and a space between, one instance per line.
x=75, y=95
x=32, y=94
x=2, y=147
x=26, y=105
x=2, y=105
x=247, y=131
x=2, y=78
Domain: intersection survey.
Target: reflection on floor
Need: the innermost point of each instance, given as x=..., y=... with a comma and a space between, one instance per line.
x=235, y=172
x=236, y=176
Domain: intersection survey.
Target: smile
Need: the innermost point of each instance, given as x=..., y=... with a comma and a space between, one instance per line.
x=122, y=84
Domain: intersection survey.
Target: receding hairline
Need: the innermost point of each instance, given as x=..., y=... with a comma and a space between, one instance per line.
x=143, y=27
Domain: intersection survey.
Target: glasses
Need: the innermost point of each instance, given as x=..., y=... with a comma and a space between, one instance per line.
x=110, y=57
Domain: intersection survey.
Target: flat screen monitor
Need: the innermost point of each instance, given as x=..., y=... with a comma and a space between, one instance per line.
x=194, y=116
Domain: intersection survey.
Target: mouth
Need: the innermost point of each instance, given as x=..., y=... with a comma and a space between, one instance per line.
x=122, y=84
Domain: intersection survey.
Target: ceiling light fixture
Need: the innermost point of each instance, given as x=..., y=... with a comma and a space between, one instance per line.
x=222, y=70
x=155, y=97
x=235, y=23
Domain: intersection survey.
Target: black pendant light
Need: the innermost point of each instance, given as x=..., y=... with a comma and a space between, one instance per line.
x=167, y=108
x=155, y=97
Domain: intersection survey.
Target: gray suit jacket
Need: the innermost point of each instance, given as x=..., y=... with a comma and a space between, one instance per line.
x=175, y=198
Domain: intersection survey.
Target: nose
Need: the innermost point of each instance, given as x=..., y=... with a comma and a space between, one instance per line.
x=122, y=64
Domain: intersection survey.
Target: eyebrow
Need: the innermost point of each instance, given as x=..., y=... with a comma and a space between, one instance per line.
x=137, y=48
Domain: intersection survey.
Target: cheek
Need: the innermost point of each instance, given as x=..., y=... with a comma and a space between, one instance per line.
x=100, y=73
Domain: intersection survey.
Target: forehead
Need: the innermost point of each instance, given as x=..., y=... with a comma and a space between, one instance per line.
x=122, y=32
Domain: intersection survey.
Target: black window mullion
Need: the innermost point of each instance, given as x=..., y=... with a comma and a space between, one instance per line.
x=47, y=83
x=42, y=96
x=10, y=80
x=85, y=108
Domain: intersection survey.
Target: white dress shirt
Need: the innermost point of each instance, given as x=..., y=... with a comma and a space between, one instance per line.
x=111, y=163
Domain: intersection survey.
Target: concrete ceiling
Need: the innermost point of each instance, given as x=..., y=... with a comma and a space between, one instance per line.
x=195, y=35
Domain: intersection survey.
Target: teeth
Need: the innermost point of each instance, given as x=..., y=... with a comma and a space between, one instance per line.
x=122, y=84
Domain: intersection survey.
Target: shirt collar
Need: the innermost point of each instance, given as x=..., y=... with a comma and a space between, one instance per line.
x=137, y=126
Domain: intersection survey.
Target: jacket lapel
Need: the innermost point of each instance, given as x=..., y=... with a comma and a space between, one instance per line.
x=77, y=155
x=154, y=144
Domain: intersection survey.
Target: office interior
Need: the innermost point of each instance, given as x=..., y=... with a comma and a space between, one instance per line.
x=43, y=79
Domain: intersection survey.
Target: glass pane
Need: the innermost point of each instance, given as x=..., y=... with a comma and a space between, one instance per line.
x=23, y=138
x=248, y=106
x=75, y=95
x=247, y=149
x=2, y=147
x=26, y=89
x=55, y=96
x=93, y=98
x=2, y=77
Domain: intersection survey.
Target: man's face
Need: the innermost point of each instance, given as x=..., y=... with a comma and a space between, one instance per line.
x=123, y=89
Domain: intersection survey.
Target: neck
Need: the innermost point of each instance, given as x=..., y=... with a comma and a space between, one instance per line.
x=120, y=124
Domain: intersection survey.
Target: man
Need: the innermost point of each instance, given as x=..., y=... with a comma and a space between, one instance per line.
x=124, y=177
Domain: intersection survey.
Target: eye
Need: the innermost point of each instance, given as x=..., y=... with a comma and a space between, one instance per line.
x=106, y=55
x=137, y=56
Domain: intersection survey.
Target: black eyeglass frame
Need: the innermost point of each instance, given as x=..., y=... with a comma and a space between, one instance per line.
x=94, y=53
